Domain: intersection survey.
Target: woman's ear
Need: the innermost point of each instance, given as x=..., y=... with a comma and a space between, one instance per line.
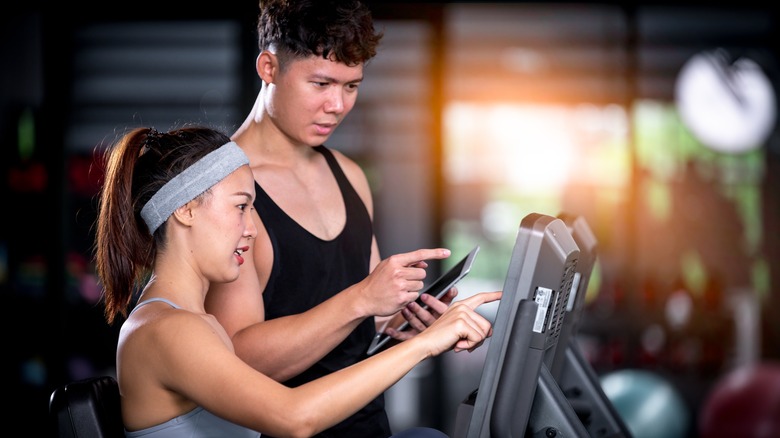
x=267, y=65
x=185, y=214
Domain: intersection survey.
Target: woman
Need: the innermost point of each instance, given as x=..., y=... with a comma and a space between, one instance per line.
x=176, y=214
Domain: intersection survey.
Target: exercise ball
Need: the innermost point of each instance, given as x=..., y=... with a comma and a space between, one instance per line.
x=743, y=403
x=650, y=406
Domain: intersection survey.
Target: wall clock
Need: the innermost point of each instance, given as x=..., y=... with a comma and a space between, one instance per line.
x=729, y=106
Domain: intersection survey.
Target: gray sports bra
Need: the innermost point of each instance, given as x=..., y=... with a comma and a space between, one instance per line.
x=155, y=300
x=198, y=423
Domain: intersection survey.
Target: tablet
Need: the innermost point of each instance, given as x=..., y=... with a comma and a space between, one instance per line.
x=438, y=288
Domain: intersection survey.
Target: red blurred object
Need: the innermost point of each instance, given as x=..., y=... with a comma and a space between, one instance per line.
x=744, y=403
x=85, y=175
x=28, y=178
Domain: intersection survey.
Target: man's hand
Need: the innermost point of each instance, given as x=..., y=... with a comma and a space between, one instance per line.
x=420, y=318
x=396, y=282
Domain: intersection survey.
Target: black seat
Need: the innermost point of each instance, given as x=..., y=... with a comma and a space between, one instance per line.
x=86, y=408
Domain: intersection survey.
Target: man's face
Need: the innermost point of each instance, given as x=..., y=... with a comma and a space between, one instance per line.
x=310, y=98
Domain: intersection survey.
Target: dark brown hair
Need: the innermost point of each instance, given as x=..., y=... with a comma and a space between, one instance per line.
x=137, y=166
x=338, y=30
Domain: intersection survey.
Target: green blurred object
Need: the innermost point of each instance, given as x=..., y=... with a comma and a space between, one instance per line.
x=26, y=133
x=649, y=405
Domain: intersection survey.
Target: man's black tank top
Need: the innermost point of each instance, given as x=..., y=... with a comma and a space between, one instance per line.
x=307, y=271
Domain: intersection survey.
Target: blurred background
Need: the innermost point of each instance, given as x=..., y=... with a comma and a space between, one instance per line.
x=655, y=121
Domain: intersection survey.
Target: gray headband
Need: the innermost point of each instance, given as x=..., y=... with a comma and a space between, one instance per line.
x=193, y=181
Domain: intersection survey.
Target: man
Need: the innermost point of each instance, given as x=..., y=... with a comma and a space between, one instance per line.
x=315, y=246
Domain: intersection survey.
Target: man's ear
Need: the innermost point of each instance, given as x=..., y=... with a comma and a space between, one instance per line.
x=267, y=65
x=185, y=214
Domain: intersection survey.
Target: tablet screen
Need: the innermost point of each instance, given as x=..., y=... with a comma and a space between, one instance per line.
x=438, y=288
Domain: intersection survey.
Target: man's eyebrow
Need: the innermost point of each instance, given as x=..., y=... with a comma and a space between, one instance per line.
x=326, y=78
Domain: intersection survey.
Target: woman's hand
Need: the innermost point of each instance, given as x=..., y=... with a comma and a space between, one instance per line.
x=460, y=327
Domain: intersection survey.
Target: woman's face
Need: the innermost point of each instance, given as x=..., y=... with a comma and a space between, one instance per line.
x=224, y=227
